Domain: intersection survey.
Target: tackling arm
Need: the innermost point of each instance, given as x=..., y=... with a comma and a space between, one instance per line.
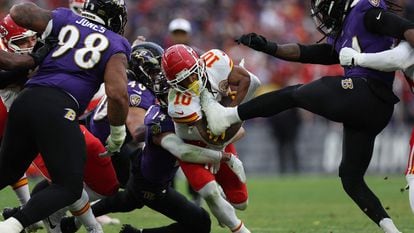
x=116, y=91
x=383, y=22
x=187, y=152
x=29, y=15
x=315, y=54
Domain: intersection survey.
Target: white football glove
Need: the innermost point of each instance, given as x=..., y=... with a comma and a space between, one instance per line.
x=115, y=140
x=214, y=167
x=236, y=165
x=349, y=57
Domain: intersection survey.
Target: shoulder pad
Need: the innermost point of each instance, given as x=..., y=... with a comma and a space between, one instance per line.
x=139, y=95
x=218, y=67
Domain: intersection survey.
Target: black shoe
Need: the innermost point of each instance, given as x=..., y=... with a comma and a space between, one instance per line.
x=9, y=212
x=68, y=225
x=126, y=228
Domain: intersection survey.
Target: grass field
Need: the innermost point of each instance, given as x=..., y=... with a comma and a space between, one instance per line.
x=302, y=204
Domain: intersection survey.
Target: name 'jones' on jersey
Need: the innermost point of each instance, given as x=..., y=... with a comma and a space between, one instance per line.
x=77, y=64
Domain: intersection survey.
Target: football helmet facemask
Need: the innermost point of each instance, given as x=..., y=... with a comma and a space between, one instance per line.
x=329, y=15
x=15, y=38
x=179, y=62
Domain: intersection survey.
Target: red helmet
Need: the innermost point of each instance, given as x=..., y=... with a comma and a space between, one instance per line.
x=180, y=62
x=76, y=6
x=10, y=32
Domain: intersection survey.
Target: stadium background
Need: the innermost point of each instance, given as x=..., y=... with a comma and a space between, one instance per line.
x=302, y=203
x=215, y=24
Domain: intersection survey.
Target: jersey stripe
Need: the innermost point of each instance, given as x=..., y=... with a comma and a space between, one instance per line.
x=188, y=119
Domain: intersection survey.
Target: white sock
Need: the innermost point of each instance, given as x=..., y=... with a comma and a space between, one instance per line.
x=232, y=115
x=241, y=229
x=11, y=225
x=81, y=209
x=21, y=188
x=410, y=181
x=388, y=226
x=221, y=209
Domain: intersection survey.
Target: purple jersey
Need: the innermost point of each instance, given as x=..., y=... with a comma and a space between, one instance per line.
x=157, y=164
x=139, y=97
x=77, y=64
x=355, y=35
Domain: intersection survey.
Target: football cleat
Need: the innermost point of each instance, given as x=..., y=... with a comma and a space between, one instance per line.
x=129, y=229
x=10, y=211
x=214, y=111
x=68, y=225
x=52, y=223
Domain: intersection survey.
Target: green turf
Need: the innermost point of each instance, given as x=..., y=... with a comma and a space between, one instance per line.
x=294, y=205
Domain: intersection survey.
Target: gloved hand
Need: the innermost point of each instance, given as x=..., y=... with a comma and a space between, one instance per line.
x=258, y=42
x=235, y=164
x=349, y=57
x=214, y=167
x=42, y=49
x=115, y=140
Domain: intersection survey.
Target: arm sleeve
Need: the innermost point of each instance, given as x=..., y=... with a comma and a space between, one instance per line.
x=187, y=152
x=383, y=22
x=318, y=54
x=389, y=60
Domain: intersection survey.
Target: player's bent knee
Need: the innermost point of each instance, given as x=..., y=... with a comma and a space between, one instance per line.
x=210, y=191
x=241, y=206
x=351, y=184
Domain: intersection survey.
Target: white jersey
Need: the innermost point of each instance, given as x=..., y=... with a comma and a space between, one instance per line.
x=218, y=68
x=186, y=109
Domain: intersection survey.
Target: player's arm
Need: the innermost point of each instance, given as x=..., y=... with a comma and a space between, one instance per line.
x=383, y=22
x=14, y=61
x=135, y=120
x=187, y=152
x=116, y=91
x=240, y=78
x=398, y=58
x=313, y=54
x=30, y=16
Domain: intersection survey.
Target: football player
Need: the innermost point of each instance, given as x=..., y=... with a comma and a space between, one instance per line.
x=399, y=58
x=15, y=39
x=100, y=178
x=140, y=99
x=215, y=75
x=57, y=94
x=154, y=169
x=362, y=99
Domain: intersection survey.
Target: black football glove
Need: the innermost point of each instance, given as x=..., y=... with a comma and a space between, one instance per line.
x=258, y=42
x=42, y=49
